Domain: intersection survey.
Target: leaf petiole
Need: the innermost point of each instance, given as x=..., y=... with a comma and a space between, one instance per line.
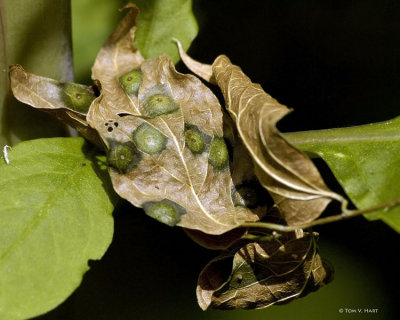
x=344, y=215
x=274, y=236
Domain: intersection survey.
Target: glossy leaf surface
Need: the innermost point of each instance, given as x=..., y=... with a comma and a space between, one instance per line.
x=364, y=159
x=161, y=21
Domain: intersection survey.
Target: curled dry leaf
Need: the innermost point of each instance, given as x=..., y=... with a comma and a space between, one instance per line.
x=167, y=148
x=69, y=102
x=259, y=274
x=288, y=174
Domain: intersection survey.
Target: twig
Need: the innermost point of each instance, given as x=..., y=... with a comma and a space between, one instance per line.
x=344, y=215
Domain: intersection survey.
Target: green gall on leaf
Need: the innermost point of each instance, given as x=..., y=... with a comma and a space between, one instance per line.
x=123, y=156
x=159, y=104
x=131, y=81
x=194, y=140
x=243, y=276
x=218, y=155
x=78, y=97
x=149, y=139
x=165, y=211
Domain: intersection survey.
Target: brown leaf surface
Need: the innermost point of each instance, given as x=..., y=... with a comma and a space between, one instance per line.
x=215, y=242
x=174, y=184
x=50, y=96
x=166, y=139
x=288, y=174
x=259, y=274
x=116, y=57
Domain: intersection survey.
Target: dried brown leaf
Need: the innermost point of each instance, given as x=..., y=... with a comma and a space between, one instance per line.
x=58, y=99
x=202, y=70
x=165, y=173
x=259, y=274
x=118, y=56
x=288, y=174
x=164, y=132
x=215, y=242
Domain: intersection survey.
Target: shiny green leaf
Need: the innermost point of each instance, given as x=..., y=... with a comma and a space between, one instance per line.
x=159, y=22
x=364, y=159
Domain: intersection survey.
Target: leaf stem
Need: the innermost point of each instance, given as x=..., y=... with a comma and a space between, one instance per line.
x=344, y=215
x=269, y=237
x=386, y=130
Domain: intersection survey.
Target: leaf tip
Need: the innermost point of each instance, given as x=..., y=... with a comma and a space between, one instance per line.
x=202, y=70
x=129, y=5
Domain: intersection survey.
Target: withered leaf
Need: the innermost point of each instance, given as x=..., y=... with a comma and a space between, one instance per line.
x=215, y=242
x=288, y=174
x=165, y=171
x=69, y=102
x=259, y=274
x=119, y=56
x=164, y=132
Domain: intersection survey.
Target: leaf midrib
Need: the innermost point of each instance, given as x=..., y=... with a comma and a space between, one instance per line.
x=189, y=177
x=385, y=131
x=305, y=186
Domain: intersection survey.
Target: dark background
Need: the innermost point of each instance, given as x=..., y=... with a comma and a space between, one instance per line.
x=337, y=64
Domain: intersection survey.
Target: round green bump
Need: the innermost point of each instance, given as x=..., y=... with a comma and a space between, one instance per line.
x=218, y=155
x=78, y=97
x=164, y=212
x=194, y=141
x=243, y=276
x=122, y=157
x=131, y=81
x=148, y=139
x=159, y=104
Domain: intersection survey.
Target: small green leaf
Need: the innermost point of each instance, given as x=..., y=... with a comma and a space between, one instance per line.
x=365, y=160
x=93, y=21
x=55, y=215
x=159, y=22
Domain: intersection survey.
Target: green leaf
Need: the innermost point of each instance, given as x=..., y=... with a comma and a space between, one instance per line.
x=89, y=29
x=55, y=215
x=365, y=160
x=159, y=22
x=37, y=35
